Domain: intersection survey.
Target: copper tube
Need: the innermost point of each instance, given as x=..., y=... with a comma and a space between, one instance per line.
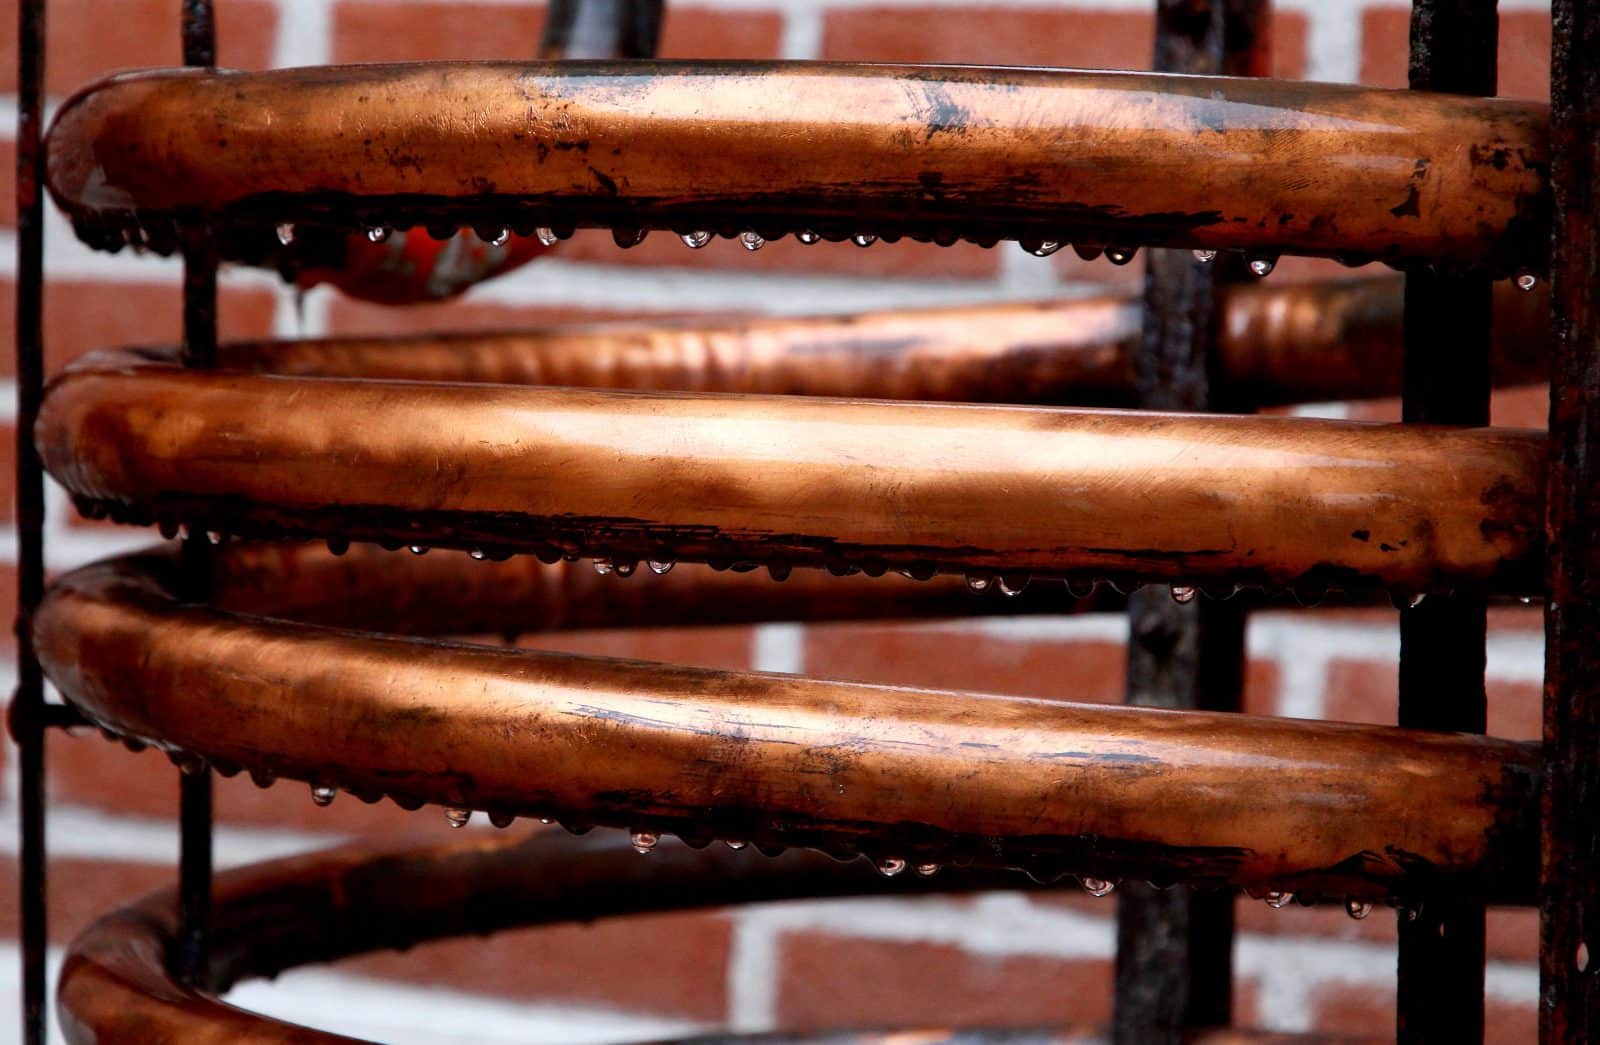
x=1313, y=807
x=1131, y=158
x=115, y=985
x=845, y=484
x=1279, y=344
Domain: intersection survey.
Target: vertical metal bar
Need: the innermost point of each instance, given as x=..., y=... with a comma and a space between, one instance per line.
x=1174, y=967
x=1447, y=325
x=27, y=706
x=199, y=31
x=601, y=29
x=1569, y=906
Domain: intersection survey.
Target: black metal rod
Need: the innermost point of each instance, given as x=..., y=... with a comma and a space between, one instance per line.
x=1569, y=903
x=1174, y=967
x=199, y=32
x=1446, y=381
x=601, y=29
x=27, y=718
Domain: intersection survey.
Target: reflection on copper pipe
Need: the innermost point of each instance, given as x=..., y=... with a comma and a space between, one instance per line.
x=1316, y=808
x=1091, y=157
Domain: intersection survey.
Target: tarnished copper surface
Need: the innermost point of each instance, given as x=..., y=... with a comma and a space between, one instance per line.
x=1039, y=155
x=726, y=479
x=1318, y=808
x=115, y=986
x=1279, y=344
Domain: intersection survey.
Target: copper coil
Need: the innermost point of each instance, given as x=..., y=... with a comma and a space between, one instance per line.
x=1316, y=808
x=804, y=481
x=934, y=152
x=1279, y=344
x=116, y=983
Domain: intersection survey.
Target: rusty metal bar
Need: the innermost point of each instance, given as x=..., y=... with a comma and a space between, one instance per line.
x=1448, y=317
x=1174, y=964
x=28, y=709
x=757, y=148
x=1569, y=951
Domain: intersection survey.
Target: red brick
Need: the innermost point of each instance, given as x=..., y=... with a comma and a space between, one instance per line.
x=673, y=964
x=829, y=981
x=83, y=315
x=1345, y=1008
x=8, y=613
x=1368, y=691
x=691, y=32
x=1512, y=934
x=1524, y=58
x=905, y=258
x=8, y=471
x=8, y=182
x=1506, y=1022
x=81, y=891
x=1521, y=408
x=87, y=41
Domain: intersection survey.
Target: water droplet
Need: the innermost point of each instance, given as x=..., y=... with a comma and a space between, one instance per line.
x=286, y=233
x=478, y=553
x=547, y=235
x=1527, y=281
x=1279, y=900
x=260, y=777
x=1581, y=959
x=1087, y=251
x=456, y=816
x=735, y=845
x=696, y=239
x=322, y=796
x=496, y=237
x=928, y=869
x=194, y=765
x=1205, y=257
x=377, y=234
x=890, y=866
x=1183, y=594
x=751, y=240
x=338, y=545
x=1012, y=584
x=625, y=238
x=979, y=581
x=1416, y=600
x=546, y=820
x=1120, y=255
x=624, y=567
x=660, y=567
x=602, y=567
x=1097, y=886
x=1262, y=265
x=863, y=239
x=644, y=841
x=419, y=549
x=779, y=570
x=807, y=237
x=1526, y=600
x=1357, y=909
x=216, y=537
x=501, y=820
x=1040, y=248
x=168, y=528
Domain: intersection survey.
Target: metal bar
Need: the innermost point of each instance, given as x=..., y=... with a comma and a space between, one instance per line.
x=1569, y=952
x=28, y=709
x=601, y=29
x=199, y=31
x=1446, y=381
x=1174, y=967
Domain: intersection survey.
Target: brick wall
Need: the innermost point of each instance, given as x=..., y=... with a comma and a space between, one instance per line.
x=1001, y=958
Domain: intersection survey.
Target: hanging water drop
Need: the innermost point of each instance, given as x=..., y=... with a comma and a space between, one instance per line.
x=890, y=866
x=602, y=567
x=1120, y=255
x=456, y=816
x=1527, y=281
x=1416, y=600
x=979, y=581
x=260, y=777
x=927, y=869
x=626, y=237
x=1012, y=584
x=624, y=567
x=496, y=237
x=1182, y=594
x=478, y=553
x=216, y=537
x=660, y=567
x=546, y=820
x=751, y=240
x=1357, y=909
x=419, y=549
x=696, y=239
x=1262, y=266
x=1526, y=600
x=501, y=820
x=863, y=239
x=377, y=234
x=644, y=841
x=194, y=765
x=546, y=235
x=1205, y=257
x=1279, y=900
x=322, y=796
x=1097, y=886
x=734, y=844
x=286, y=233
x=807, y=237
x=779, y=569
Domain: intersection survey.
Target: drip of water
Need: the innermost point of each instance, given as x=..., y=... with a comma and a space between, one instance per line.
x=734, y=844
x=696, y=239
x=1357, y=909
x=1527, y=281
x=807, y=237
x=286, y=233
x=547, y=235
x=419, y=549
x=496, y=237
x=260, y=777
x=626, y=238
x=456, y=816
x=1040, y=248
x=501, y=820
x=602, y=566
x=1262, y=265
x=1120, y=255
x=1012, y=584
x=1183, y=594
x=378, y=233
x=751, y=240
x=644, y=841
x=928, y=869
x=1205, y=257
x=863, y=239
x=1279, y=900
x=779, y=570
x=660, y=567
x=979, y=581
x=479, y=554
x=890, y=866
x=322, y=796
x=1097, y=886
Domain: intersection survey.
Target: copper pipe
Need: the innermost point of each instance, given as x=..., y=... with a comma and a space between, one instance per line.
x=787, y=480
x=1040, y=155
x=1279, y=344
x=115, y=985
x=1317, y=808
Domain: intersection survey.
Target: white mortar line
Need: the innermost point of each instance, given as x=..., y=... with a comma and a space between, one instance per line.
x=779, y=648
